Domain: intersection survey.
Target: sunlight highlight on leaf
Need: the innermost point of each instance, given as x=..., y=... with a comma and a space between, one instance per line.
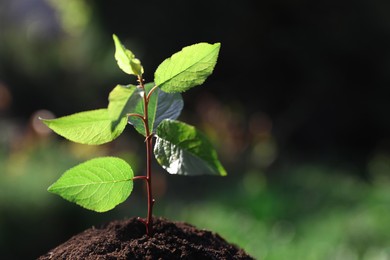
x=98, y=184
x=188, y=68
x=88, y=127
x=181, y=149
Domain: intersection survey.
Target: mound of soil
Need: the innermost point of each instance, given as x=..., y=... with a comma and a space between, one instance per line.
x=126, y=239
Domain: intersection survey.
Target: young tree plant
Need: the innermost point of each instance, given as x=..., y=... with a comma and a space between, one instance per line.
x=102, y=183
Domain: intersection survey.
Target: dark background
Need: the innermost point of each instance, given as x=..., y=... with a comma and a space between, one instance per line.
x=307, y=80
x=318, y=70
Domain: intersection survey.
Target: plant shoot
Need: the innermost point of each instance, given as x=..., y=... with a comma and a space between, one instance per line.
x=152, y=109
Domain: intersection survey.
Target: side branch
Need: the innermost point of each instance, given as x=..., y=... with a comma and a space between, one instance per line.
x=136, y=115
x=149, y=137
x=150, y=93
x=140, y=178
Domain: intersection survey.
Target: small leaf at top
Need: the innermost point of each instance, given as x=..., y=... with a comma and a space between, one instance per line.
x=181, y=149
x=126, y=59
x=88, y=127
x=187, y=68
x=98, y=184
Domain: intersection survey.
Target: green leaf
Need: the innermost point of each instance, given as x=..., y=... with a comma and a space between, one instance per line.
x=162, y=106
x=88, y=127
x=139, y=109
x=169, y=106
x=181, y=149
x=126, y=59
x=122, y=101
x=98, y=184
x=188, y=68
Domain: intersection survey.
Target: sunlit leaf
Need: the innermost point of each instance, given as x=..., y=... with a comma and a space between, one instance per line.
x=88, y=127
x=181, y=149
x=126, y=59
x=122, y=101
x=98, y=184
x=187, y=68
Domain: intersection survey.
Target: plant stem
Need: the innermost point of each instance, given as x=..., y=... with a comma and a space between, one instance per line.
x=149, y=220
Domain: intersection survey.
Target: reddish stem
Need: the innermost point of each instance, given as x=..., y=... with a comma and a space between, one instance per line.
x=148, y=178
x=139, y=177
x=149, y=220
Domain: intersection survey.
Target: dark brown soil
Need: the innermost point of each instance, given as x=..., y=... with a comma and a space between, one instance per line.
x=126, y=239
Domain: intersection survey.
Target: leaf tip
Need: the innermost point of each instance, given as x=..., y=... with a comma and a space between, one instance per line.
x=42, y=119
x=217, y=46
x=45, y=121
x=51, y=188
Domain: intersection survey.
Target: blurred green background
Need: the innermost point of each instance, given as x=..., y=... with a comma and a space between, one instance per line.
x=297, y=108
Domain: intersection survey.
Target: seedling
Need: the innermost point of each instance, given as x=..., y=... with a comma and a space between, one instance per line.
x=102, y=183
